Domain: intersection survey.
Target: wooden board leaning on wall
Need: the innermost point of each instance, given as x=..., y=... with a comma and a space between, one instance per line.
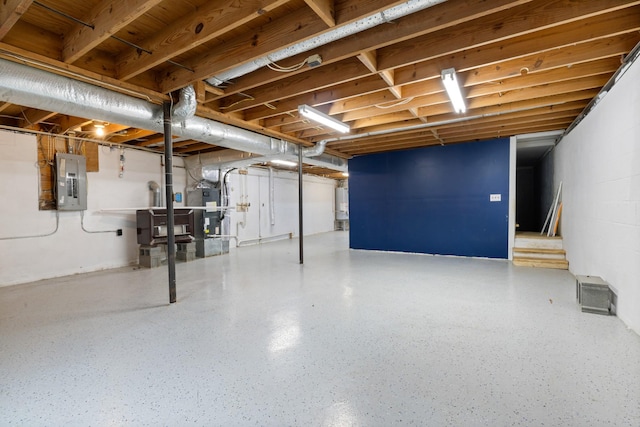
x=48, y=146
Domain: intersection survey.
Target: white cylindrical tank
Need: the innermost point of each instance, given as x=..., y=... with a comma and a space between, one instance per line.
x=342, y=203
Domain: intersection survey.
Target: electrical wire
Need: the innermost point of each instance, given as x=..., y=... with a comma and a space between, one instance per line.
x=97, y=141
x=404, y=101
x=36, y=235
x=92, y=231
x=225, y=196
x=247, y=98
x=279, y=68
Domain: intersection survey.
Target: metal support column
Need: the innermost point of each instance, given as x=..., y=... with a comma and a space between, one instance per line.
x=168, y=174
x=300, y=231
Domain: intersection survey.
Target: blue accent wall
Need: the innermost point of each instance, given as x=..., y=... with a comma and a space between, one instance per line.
x=432, y=200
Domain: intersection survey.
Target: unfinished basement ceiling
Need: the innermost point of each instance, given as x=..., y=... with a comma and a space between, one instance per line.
x=526, y=66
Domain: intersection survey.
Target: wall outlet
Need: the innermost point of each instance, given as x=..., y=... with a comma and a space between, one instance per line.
x=495, y=197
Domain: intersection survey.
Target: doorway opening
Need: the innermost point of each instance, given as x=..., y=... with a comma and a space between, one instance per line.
x=534, y=179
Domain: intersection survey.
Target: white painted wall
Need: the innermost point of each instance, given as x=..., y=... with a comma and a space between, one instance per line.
x=71, y=250
x=318, y=205
x=599, y=164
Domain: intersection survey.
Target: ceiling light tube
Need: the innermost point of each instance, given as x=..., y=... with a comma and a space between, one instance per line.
x=283, y=162
x=317, y=116
x=453, y=90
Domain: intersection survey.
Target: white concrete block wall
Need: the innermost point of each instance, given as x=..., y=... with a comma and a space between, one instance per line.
x=71, y=250
x=599, y=164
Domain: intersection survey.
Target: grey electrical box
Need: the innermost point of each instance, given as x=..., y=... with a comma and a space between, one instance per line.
x=208, y=222
x=71, y=182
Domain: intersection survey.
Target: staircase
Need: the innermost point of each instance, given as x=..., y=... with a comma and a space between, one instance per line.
x=534, y=250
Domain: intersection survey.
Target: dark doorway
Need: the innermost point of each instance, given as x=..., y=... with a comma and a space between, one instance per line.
x=534, y=173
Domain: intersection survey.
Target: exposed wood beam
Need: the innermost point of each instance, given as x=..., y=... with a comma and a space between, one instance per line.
x=70, y=123
x=378, y=97
x=531, y=64
x=444, y=15
x=332, y=94
x=202, y=146
x=610, y=47
x=507, y=106
x=10, y=12
x=571, y=35
x=151, y=141
x=276, y=35
x=201, y=91
x=443, y=111
x=552, y=57
x=361, y=147
x=348, y=70
x=225, y=118
x=131, y=136
x=518, y=21
x=107, y=17
x=324, y=9
x=212, y=89
x=369, y=60
x=602, y=68
x=532, y=115
x=529, y=93
x=209, y=21
x=33, y=116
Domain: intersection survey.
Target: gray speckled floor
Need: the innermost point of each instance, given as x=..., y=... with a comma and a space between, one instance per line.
x=352, y=338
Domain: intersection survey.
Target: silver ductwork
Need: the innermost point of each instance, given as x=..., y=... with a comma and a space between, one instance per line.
x=157, y=195
x=30, y=87
x=186, y=106
x=34, y=88
x=363, y=24
x=316, y=150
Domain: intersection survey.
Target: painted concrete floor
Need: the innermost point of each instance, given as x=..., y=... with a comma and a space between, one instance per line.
x=351, y=338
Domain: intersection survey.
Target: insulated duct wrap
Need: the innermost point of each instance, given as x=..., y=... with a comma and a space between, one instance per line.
x=186, y=106
x=385, y=16
x=30, y=87
x=35, y=88
x=316, y=150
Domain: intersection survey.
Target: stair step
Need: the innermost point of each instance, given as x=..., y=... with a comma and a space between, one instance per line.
x=539, y=253
x=561, y=264
x=536, y=240
x=540, y=250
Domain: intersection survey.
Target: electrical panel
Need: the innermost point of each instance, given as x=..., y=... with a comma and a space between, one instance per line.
x=71, y=182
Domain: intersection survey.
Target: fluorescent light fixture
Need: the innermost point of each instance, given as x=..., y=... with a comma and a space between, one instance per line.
x=320, y=117
x=284, y=162
x=453, y=90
